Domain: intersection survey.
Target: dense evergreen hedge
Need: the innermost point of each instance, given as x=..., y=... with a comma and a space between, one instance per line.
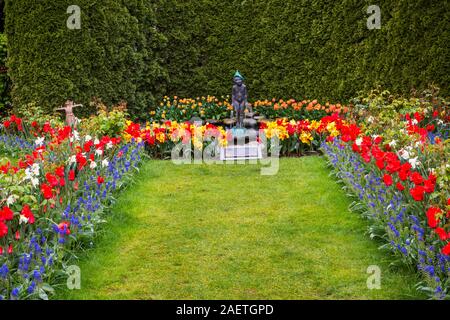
x=138, y=50
x=4, y=82
x=2, y=16
x=313, y=48
x=108, y=58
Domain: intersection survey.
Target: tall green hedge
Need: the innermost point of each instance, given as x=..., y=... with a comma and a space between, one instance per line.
x=310, y=48
x=139, y=50
x=2, y=16
x=4, y=81
x=110, y=57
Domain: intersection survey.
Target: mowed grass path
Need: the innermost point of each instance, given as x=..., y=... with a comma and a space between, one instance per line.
x=226, y=232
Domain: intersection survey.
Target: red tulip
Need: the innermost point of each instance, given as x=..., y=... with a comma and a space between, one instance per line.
x=51, y=179
x=400, y=187
x=6, y=214
x=27, y=213
x=446, y=250
x=387, y=180
x=416, y=178
x=3, y=229
x=433, y=220
x=429, y=186
x=60, y=172
x=71, y=175
x=443, y=235
x=46, y=191
x=380, y=164
x=417, y=193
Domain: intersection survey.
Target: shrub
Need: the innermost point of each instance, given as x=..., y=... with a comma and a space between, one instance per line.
x=111, y=57
x=4, y=81
x=139, y=50
x=305, y=49
x=110, y=123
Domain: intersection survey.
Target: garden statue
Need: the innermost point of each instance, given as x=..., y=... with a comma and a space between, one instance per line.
x=71, y=120
x=239, y=98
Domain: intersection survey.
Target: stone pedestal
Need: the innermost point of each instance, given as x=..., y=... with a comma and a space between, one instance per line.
x=249, y=151
x=243, y=146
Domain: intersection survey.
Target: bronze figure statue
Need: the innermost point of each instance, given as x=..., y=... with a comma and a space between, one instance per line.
x=239, y=98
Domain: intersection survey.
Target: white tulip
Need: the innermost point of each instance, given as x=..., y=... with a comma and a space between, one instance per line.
x=23, y=219
x=35, y=168
x=414, y=162
x=72, y=159
x=404, y=154
x=76, y=135
x=105, y=163
x=35, y=182
x=11, y=199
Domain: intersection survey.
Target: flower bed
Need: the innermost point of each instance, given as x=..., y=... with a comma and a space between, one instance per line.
x=185, y=109
x=160, y=139
x=211, y=108
x=297, y=110
x=392, y=155
x=53, y=200
x=402, y=186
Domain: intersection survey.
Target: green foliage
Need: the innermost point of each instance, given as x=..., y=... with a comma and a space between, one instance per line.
x=4, y=81
x=381, y=112
x=2, y=16
x=106, y=123
x=140, y=50
x=111, y=57
x=33, y=113
x=305, y=49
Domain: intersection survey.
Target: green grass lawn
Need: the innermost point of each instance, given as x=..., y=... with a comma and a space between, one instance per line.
x=226, y=232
